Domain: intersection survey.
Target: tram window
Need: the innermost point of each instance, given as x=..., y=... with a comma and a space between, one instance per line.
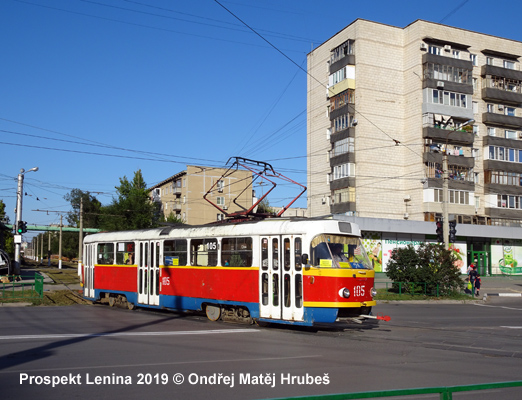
x=105, y=253
x=264, y=289
x=236, y=252
x=287, y=294
x=286, y=254
x=275, y=283
x=275, y=253
x=156, y=267
x=125, y=253
x=298, y=252
x=264, y=253
x=298, y=291
x=175, y=252
x=204, y=252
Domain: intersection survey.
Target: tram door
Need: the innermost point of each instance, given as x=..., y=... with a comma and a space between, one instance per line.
x=89, y=257
x=148, y=272
x=280, y=278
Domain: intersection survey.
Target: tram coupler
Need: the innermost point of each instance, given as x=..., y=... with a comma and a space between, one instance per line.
x=378, y=317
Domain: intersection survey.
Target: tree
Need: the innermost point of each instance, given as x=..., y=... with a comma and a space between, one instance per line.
x=174, y=219
x=6, y=236
x=264, y=207
x=429, y=264
x=91, y=208
x=132, y=209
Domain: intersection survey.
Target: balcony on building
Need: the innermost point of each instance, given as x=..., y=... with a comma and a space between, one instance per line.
x=175, y=205
x=441, y=128
x=504, y=213
x=501, y=89
x=460, y=172
x=342, y=56
x=503, y=137
x=506, y=73
x=497, y=118
x=447, y=73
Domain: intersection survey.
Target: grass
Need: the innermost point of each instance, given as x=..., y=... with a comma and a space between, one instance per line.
x=388, y=295
x=68, y=275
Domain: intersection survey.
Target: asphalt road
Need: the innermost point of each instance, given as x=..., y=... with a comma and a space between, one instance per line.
x=82, y=352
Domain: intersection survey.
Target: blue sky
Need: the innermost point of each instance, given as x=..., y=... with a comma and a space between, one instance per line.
x=94, y=90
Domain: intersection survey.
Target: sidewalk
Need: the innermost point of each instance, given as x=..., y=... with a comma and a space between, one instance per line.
x=499, y=285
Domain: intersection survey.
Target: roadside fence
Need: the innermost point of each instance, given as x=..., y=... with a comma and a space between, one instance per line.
x=21, y=287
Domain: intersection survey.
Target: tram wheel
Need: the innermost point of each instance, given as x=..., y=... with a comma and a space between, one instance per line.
x=213, y=312
x=112, y=301
x=131, y=306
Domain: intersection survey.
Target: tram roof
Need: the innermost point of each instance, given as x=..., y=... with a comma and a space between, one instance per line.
x=276, y=226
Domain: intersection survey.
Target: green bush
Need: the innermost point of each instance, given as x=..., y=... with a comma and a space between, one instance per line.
x=430, y=268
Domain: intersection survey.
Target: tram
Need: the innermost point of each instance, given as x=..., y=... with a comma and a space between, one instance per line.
x=288, y=271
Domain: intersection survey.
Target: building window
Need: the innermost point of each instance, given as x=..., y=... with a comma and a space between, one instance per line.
x=503, y=178
x=346, y=195
x=489, y=61
x=435, y=50
x=491, y=131
x=473, y=59
x=449, y=98
x=509, y=111
x=505, y=154
x=220, y=201
x=456, y=54
x=507, y=201
x=342, y=122
x=346, y=97
x=343, y=171
x=511, y=134
x=343, y=146
x=220, y=185
x=455, y=196
x=337, y=77
x=509, y=64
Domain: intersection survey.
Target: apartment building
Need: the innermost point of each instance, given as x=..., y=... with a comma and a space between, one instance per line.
x=386, y=105
x=182, y=194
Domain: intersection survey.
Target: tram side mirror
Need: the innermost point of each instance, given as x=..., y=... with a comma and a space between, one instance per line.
x=304, y=259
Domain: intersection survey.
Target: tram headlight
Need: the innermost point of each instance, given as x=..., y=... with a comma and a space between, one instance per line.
x=373, y=292
x=344, y=292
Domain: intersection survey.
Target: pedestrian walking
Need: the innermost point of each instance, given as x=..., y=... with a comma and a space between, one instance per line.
x=477, y=284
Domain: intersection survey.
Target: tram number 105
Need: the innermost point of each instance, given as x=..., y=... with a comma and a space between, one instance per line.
x=358, y=291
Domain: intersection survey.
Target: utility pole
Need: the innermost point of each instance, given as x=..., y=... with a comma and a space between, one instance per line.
x=18, y=218
x=49, y=251
x=445, y=198
x=445, y=186
x=60, y=246
x=80, y=241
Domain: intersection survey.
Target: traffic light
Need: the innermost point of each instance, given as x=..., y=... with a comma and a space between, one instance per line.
x=440, y=232
x=21, y=227
x=452, y=231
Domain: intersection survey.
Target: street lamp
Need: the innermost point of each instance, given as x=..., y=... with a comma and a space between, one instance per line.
x=18, y=237
x=445, y=184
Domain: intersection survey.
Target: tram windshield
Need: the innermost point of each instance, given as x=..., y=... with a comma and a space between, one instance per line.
x=337, y=251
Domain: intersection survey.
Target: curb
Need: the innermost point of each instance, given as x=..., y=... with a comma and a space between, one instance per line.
x=504, y=294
